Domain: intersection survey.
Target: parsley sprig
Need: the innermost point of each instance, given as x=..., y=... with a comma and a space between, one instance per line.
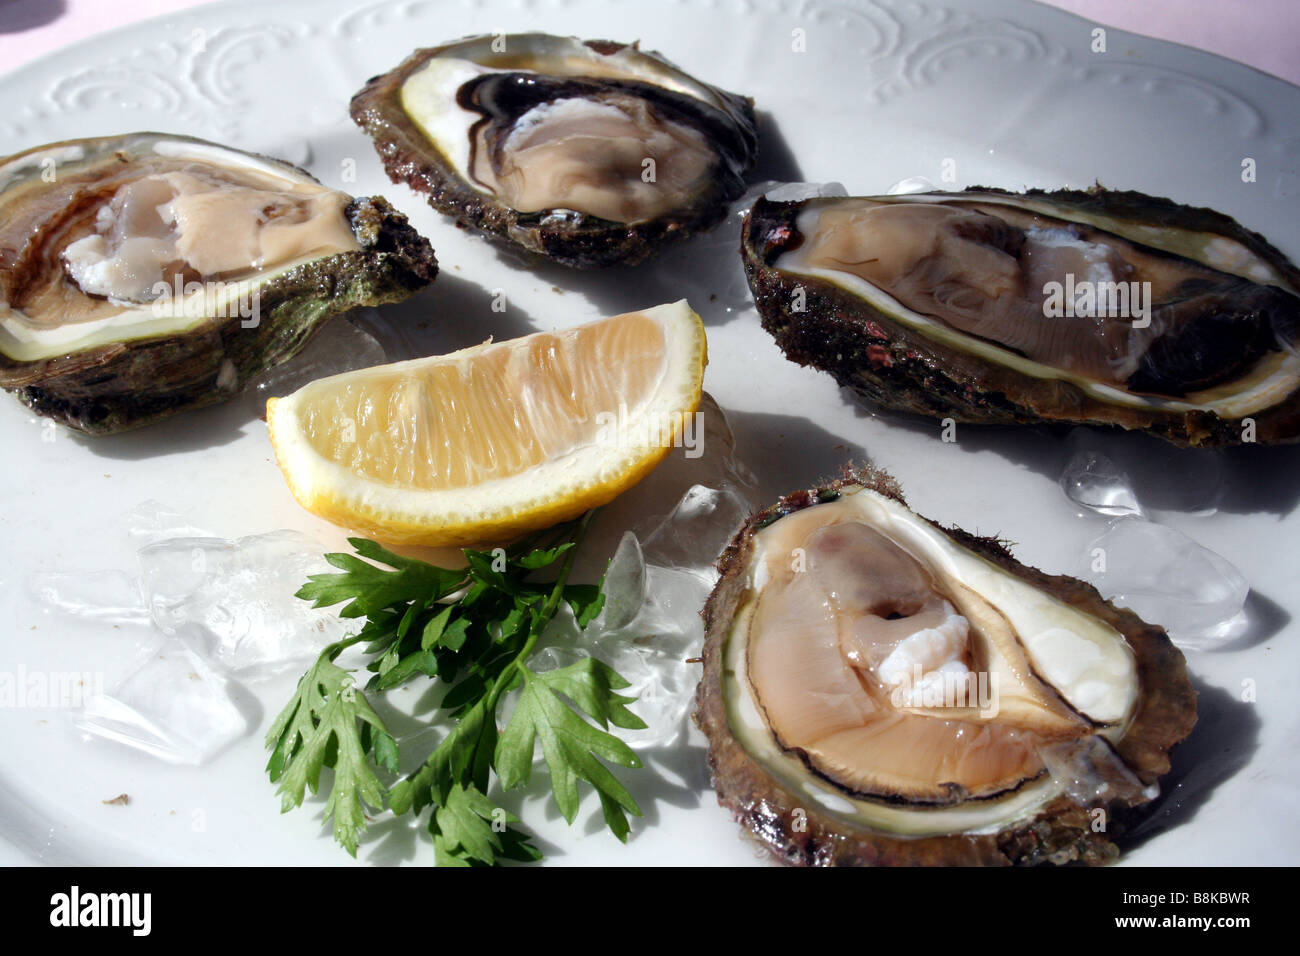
x=472, y=630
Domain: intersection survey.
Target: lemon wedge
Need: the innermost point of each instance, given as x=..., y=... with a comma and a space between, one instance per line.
x=496, y=440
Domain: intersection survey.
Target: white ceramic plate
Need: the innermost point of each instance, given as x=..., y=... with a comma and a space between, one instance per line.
x=997, y=92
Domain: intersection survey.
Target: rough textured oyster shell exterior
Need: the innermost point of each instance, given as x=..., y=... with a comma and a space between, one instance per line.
x=896, y=367
x=124, y=385
x=576, y=240
x=797, y=831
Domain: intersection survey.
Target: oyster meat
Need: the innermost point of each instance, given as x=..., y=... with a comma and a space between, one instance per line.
x=591, y=153
x=1097, y=307
x=878, y=690
x=147, y=273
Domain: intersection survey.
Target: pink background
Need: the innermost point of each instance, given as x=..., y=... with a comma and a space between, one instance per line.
x=1262, y=33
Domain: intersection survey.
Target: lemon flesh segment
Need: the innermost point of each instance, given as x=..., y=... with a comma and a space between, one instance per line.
x=495, y=440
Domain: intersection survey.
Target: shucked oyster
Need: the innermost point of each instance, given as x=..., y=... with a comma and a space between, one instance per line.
x=591, y=153
x=878, y=690
x=146, y=273
x=1099, y=307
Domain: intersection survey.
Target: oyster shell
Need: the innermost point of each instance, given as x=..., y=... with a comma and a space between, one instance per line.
x=1098, y=307
x=878, y=690
x=147, y=273
x=591, y=153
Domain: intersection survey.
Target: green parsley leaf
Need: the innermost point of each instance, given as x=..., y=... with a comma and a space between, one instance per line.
x=370, y=589
x=569, y=743
x=472, y=630
x=542, y=558
x=329, y=723
x=468, y=829
x=586, y=600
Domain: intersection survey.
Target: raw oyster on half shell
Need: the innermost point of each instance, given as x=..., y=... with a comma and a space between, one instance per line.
x=148, y=273
x=879, y=690
x=1096, y=308
x=592, y=153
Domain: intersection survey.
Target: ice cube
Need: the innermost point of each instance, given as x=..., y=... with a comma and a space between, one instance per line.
x=660, y=679
x=110, y=596
x=152, y=521
x=659, y=578
x=707, y=460
x=714, y=493
x=727, y=234
x=624, y=585
x=1186, y=480
x=662, y=684
x=670, y=621
x=697, y=530
x=1168, y=579
x=664, y=688
x=1138, y=473
x=175, y=707
x=650, y=651
x=1094, y=481
x=233, y=600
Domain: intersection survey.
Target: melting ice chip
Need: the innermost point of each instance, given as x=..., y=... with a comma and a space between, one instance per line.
x=153, y=521
x=713, y=494
x=648, y=628
x=109, y=596
x=698, y=528
x=225, y=606
x=658, y=580
x=1168, y=579
x=624, y=585
x=233, y=600
x=1094, y=481
x=175, y=707
x=650, y=648
x=1123, y=474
